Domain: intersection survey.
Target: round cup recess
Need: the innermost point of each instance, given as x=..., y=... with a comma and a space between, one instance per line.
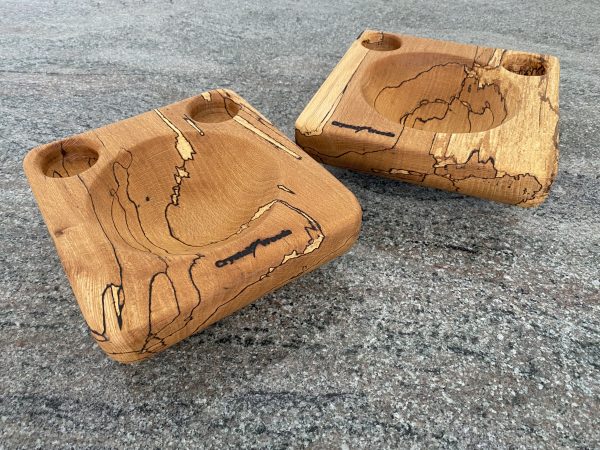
x=216, y=109
x=524, y=64
x=382, y=42
x=68, y=158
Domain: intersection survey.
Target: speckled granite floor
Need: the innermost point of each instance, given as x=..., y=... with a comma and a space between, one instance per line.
x=452, y=323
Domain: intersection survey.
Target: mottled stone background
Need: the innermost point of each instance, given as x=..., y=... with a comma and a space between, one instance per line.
x=452, y=323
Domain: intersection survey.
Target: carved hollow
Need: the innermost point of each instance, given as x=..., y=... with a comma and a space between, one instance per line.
x=383, y=42
x=66, y=159
x=435, y=92
x=525, y=64
x=203, y=198
x=213, y=110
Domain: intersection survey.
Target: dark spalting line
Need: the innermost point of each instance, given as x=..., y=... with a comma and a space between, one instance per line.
x=284, y=188
x=460, y=92
x=116, y=202
x=475, y=64
x=99, y=138
x=434, y=117
x=160, y=343
x=536, y=192
x=467, y=105
x=323, y=156
x=314, y=153
x=135, y=205
x=149, y=346
x=474, y=152
x=396, y=86
x=225, y=98
x=126, y=167
x=153, y=350
x=102, y=333
x=177, y=187
x=63, y=153
x=162, y=340
x=319, y=155
x=402, y=121
x=358, y=128
x=314, y=226
x=153, y=335
x=251, y=249
x=115, y=196
x=545, y=99
x=143, y=354
x=454, y=181
x=101, y=336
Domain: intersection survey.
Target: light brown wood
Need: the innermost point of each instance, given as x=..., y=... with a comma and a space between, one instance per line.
x=174, y=219
x=468, y=119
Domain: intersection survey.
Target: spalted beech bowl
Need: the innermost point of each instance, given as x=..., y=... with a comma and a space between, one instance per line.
x=171, y=220
x=468, y=119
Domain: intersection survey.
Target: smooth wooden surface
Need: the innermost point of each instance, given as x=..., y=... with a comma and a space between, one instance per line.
x=174, y=219
x=468, y=119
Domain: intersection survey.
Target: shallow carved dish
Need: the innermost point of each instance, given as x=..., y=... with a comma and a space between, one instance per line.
x=463, y=118
x=174, y=219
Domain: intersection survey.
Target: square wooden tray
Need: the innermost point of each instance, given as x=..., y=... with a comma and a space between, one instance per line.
x=469, y=119
x=171, y=220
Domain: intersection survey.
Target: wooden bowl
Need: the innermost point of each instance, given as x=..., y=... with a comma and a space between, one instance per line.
x=468, y=119
x=174, y=219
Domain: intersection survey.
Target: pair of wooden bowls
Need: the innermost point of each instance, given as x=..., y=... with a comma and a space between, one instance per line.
x=171, y=220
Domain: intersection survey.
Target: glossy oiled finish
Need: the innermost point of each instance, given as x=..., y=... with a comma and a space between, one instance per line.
x=468, y=119
x=171, y=220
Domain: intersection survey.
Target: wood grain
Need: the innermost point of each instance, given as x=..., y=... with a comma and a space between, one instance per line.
x=468, y=119
x=174, y=219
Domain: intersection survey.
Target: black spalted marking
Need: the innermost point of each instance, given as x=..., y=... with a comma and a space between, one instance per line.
x=358, y=128
x=251, y=249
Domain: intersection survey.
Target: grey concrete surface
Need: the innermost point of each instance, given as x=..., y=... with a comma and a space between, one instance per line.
x=452, y=323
